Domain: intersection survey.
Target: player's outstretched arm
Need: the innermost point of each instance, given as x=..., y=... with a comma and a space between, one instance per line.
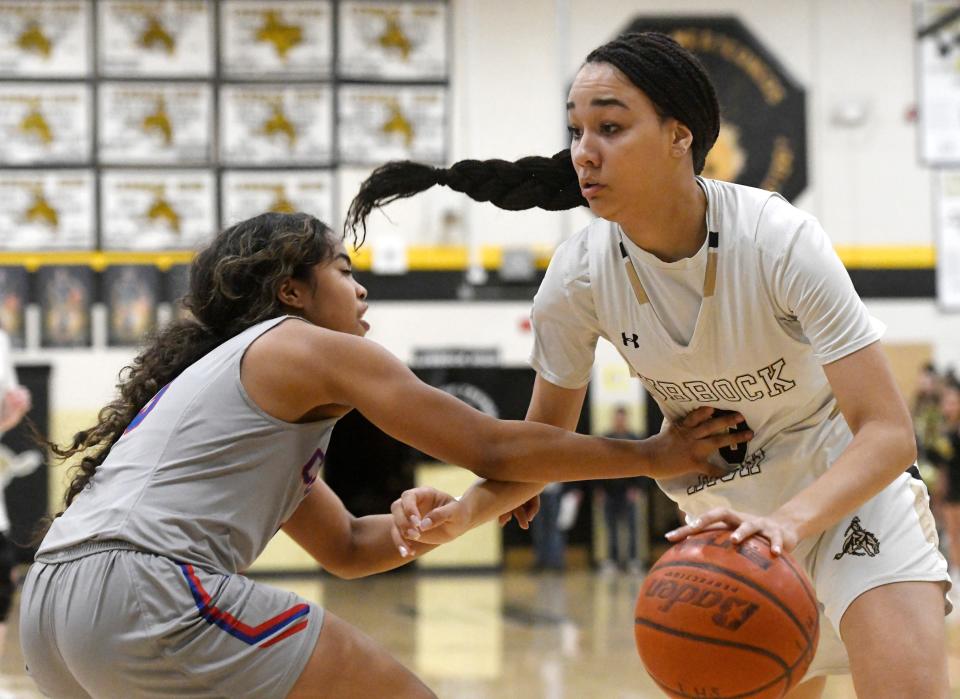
x=351, y=371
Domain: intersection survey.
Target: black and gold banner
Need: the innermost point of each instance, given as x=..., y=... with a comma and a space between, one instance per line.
x=762, y=139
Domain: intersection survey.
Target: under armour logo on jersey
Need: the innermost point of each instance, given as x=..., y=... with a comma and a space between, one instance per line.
x=859, y=541
x=632, y=338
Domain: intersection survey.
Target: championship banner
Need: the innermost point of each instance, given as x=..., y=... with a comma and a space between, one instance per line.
x=44, y=123
x=947, y=213
x=157, y=210
x=275, y=125
x=47, y=210
x=276, y=38
x=248, y=193
x=131, y=293
x=938, y=71
x=44, y=39
x=14, y=290
x=66, y=294
x=157, y=38
x=393, y=40
x=155, y=123
x=763, y=140
x=383, y=122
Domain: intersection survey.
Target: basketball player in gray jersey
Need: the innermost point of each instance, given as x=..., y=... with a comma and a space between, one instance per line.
x=215, y=442
x=721, y=295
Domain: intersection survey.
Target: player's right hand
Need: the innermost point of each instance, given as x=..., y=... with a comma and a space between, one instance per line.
x=684, y=446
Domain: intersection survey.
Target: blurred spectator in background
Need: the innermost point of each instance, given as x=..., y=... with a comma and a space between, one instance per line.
x=926, y=409
x=945, y=454
x=14, y=405
x=559, y=505
x=624, y=500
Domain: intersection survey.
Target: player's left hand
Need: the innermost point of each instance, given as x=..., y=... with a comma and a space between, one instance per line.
x=781, y=535
x=425, y=515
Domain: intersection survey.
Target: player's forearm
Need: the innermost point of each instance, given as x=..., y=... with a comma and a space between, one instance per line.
x=878, y=454
x=488, y=499
x=372, y=549
x=529, y=452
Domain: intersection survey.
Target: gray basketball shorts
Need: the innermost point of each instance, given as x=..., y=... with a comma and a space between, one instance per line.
x=124, y=623
x=891, y=538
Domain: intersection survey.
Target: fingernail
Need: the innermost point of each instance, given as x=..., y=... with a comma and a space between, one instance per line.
x=695, y=522
x=776, y=549
x=413, y=534
x=404, y=552
x=671, y=533
x=734, y=538
x=414, y=520
x=426, y=523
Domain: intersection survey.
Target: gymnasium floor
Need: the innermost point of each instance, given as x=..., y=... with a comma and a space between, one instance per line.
x=517, y=635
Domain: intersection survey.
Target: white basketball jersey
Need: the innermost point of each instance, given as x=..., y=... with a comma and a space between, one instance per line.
x=777, y=304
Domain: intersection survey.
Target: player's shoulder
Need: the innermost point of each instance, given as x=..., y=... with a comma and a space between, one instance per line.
x=571, y=259
x=763, y=219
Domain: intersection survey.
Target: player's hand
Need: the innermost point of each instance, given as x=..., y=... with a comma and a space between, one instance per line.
x=781, y=535
x=425, y=516
x=523, y=514
x=16, y=403
x=684, y=446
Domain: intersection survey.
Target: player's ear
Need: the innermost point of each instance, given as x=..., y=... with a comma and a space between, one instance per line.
x=681, y=138
x=291, y=293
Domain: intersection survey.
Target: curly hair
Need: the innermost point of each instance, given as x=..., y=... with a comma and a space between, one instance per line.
x=233, y=285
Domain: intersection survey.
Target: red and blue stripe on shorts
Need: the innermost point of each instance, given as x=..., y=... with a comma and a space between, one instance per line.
x=251, y=635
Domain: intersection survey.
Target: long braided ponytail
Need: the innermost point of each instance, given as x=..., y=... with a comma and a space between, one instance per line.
x=673, y=79
x=531, y=182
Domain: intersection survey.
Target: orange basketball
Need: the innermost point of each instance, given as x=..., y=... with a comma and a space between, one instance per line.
x=719, y=620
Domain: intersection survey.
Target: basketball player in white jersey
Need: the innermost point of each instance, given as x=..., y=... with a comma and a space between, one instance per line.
x=215, y=443
x=724, y=296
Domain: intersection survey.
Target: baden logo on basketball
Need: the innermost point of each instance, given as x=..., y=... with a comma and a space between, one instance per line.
x=732, y=611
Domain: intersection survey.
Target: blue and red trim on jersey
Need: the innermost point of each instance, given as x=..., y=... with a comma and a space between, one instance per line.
x=251, y=635
x=145, y=410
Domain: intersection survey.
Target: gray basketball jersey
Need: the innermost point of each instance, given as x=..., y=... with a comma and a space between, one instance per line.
x=202, y=475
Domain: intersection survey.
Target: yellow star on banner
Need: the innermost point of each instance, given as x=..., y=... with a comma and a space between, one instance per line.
x=41, y=212
x=155, y=35
x=34, y=123
x=279, y=124
x=280, y=204
x=32, y=39
x=283, y=36
x=399, y=124
x=161, y=211
x=394, y=38
x=159, y=121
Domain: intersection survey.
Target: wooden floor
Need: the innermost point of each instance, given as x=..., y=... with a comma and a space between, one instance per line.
x=530, y=636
